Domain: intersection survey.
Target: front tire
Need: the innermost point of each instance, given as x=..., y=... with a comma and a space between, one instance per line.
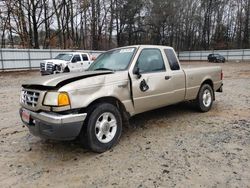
x=66, y=70
x=205, y=98
x=104, y=128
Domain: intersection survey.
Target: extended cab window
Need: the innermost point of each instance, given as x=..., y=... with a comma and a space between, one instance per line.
x=76, y=58
x=150, y=60
x=84, y=57
x=172, y=59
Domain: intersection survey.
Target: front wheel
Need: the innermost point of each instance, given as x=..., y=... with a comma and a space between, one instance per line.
x=66, y=70
x=104, y=127
x=205, y=98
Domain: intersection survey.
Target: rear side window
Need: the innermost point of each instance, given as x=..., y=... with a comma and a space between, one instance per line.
x=84, y=57
x=150, y=60
x=172, y=59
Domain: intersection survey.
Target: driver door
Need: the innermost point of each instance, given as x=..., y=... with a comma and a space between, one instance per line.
x=154, y=87
x=75, y=65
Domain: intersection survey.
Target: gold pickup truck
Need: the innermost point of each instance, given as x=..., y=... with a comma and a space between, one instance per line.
x=121, y=83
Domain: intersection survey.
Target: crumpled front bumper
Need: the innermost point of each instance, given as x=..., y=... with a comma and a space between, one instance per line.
x=54, y=126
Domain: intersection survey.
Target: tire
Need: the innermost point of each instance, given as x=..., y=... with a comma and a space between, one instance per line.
x=66, y=69
x=104, y=128
x=58, y=69
x=204, y=100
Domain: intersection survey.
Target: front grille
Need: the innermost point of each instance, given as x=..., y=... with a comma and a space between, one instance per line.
x=47, y=67
x=50, y=67
x=42, y=66
x=29, y=98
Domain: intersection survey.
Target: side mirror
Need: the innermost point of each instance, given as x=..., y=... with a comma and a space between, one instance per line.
x=137, y=72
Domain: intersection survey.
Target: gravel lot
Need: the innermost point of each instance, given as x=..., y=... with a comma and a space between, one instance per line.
x=170, y=147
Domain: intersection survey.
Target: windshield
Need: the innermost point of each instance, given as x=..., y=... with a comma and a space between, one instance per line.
x=114, y=60
x=65, y=57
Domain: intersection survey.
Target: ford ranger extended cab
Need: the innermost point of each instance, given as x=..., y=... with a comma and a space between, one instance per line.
x=123, y=82
x=66, y=62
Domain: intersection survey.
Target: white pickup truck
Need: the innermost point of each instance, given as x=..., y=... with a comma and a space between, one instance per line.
x=121, y=83
x=67, y=62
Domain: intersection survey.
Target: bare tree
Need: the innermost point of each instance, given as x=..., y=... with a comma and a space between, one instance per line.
x=94, y=24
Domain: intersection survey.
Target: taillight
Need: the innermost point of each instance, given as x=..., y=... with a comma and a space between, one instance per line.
x=221, y=75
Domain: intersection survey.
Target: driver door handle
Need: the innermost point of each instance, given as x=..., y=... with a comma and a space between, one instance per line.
x=167, y=77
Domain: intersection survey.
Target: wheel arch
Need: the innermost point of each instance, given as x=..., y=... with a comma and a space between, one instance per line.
x=111, y=100
x=66, y=69
x=209, y=82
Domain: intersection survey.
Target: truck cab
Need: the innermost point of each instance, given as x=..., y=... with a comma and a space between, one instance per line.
x=161, y=80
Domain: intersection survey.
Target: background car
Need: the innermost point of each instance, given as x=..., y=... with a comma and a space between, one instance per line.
x=217, y=58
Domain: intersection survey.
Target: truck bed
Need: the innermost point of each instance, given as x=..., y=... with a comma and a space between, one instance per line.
x=196, y=75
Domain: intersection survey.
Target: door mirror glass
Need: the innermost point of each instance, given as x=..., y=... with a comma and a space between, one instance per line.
x=137, y=72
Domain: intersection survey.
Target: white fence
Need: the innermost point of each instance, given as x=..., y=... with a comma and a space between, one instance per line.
x=230, y=55
x=30, y=58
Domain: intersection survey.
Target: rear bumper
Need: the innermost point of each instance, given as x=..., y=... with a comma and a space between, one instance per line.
x=54, y=126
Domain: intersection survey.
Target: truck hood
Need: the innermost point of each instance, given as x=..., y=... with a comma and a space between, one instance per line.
x=55, y=61
x=59, y=80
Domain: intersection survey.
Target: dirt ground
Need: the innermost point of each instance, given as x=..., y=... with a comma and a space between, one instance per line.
x=170, y=147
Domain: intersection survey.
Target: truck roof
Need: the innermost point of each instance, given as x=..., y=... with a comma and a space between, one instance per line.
x=73, y=53
x=145, y=45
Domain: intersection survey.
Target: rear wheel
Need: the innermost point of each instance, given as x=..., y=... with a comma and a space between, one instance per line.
x=205, y=98
x=104, y=127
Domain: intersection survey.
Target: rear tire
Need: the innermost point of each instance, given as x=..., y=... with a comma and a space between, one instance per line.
x=204, y=100
x=104, y=128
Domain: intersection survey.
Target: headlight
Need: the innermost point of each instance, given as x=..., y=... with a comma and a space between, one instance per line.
x=56, y=99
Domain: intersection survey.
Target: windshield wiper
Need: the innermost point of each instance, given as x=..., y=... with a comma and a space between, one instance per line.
x=103, y=69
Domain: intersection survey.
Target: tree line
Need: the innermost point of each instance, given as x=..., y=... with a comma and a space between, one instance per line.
x=104, y=24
